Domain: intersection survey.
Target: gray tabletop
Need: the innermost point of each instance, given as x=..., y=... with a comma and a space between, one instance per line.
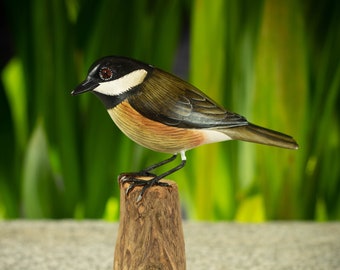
x=90, y=245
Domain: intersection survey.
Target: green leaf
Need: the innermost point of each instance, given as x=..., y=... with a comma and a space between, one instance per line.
x=37, y=177
x=14, y=85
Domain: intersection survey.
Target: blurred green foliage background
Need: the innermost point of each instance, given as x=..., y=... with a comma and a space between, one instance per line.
x=275, y=62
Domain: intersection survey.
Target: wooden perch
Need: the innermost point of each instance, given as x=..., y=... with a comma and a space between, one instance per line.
x=150, y=234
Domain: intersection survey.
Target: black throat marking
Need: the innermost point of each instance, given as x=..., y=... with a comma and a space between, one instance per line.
x=112, y=101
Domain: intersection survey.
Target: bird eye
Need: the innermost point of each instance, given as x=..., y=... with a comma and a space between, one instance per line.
x=105, y=73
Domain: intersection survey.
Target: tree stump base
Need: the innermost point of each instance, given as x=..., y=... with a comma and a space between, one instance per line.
x=150, y=234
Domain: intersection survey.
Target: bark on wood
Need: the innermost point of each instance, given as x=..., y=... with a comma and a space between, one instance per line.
x=150, y=234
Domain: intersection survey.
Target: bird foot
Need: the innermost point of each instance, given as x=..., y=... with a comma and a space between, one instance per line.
x=134, y=180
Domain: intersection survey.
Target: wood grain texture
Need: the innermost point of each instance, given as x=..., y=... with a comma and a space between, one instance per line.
x=150, y=234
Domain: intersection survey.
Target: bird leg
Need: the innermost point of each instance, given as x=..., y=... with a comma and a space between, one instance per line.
x=147, y=171
x=132, y=178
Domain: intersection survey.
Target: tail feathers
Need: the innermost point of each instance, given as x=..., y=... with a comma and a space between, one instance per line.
x=257, y=134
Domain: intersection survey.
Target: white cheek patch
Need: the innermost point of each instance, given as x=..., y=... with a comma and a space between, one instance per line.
x=123, y=84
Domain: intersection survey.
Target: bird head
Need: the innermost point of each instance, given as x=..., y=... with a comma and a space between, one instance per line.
x=112, y=76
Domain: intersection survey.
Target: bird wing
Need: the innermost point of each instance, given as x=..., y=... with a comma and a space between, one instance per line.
x=172, y=101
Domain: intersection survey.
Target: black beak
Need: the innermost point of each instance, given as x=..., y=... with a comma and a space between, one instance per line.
x=85, y=86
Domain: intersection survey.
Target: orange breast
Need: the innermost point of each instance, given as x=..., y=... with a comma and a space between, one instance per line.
x=154, y=135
